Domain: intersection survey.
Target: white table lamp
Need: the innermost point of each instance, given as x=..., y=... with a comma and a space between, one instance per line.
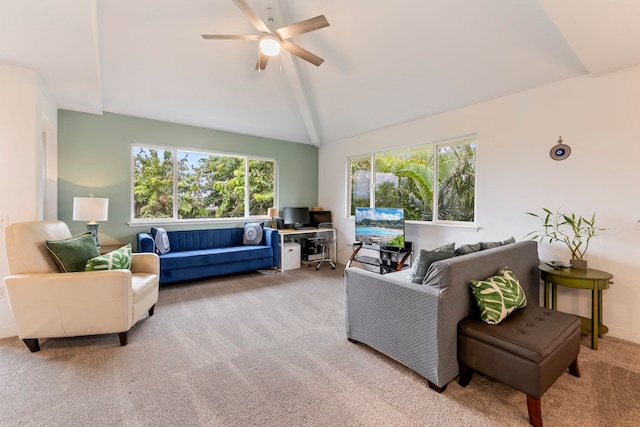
x=273, y=213
x=91, y=209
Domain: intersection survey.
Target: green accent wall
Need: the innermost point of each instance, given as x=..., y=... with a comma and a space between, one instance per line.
x=94, y=157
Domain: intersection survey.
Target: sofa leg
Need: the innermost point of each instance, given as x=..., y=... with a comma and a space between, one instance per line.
x=434, y=387
x=151, y=310
x=123, y=338
x=535, y=411
x=465, y=375
x=32, y=344
x=574, y=369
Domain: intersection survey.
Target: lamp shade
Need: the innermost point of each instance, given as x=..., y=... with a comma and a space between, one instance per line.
x=90, y=208
x=273, y=212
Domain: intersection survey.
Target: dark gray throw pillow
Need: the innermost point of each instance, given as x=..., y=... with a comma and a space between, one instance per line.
x=468, y=249
x=429, y=257
x=490, y=245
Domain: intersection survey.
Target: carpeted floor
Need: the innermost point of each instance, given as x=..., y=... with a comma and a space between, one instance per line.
x=260, y=349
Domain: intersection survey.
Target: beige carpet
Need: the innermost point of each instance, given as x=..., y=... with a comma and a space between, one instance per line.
x=270, y=350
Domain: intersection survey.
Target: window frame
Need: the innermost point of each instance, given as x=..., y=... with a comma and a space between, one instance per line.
x=435, y=148
x=174, y=218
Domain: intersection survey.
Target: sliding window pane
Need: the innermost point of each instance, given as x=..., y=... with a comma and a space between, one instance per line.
x=261, y=186
x=360, y=184
x=222, y=181
x=193, y=192
x=456, y=182
x=152, y=183
x=404, y=179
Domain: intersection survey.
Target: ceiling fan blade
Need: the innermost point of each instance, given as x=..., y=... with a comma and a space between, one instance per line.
x=302, y=53
x=261, y=63
x=229, y=37
x=302, y=27
x=253, y=17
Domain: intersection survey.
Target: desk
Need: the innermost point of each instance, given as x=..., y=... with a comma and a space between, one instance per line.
x=310, y=232
x=595, y=280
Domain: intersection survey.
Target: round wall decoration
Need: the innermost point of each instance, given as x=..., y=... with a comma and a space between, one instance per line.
x=560, y=151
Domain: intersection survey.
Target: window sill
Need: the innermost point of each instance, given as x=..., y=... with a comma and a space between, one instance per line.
x=445, y=225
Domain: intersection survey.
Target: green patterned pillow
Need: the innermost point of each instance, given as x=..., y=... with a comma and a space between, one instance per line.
x=120, y=259
x=498, y=296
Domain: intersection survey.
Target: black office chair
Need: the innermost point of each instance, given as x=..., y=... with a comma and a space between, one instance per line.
x=325, y=240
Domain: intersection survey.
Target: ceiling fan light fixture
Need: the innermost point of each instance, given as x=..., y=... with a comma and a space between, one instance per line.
x=269, y=45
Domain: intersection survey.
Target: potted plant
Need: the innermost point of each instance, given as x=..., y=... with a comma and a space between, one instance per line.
x=574, y=231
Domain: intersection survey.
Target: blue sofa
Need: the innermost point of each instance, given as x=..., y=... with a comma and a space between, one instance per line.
x=196, y=254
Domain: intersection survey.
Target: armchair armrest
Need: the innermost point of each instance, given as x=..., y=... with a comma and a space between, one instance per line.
x=53, y=287
x=145, y=263
x=71, y=304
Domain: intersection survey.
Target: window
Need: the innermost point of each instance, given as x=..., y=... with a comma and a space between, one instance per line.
x=429, y=181
x=181, y=184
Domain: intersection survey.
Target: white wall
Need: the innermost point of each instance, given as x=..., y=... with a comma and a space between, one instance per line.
x=599, y=118
x=26, y=109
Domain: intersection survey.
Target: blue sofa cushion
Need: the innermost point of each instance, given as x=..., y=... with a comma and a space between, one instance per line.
x=193, y=240
x=199, y=258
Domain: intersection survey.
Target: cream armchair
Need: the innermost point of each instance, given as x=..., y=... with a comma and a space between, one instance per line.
x=49, y=304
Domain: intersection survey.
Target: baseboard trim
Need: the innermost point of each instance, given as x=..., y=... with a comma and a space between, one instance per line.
x=624, y=334
x=8, y=331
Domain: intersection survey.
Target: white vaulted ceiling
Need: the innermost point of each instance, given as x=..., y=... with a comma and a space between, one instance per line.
x=385, y=62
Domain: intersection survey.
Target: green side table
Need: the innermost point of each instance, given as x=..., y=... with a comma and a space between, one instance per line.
x=596, y=280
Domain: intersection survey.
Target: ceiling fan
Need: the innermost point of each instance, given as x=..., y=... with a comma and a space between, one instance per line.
x=272, y=41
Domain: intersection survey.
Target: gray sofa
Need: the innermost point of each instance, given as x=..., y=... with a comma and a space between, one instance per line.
x=416, y=324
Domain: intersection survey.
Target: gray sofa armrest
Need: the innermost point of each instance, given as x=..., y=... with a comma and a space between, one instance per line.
x=399, y=319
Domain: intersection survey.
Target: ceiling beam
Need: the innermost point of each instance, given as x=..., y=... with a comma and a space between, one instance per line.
x=97, y=43
x=293, y=76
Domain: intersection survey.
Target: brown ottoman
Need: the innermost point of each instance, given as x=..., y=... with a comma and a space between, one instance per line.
x=528, y=351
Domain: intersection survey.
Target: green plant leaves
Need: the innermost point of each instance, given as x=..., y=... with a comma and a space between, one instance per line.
x=574, y=231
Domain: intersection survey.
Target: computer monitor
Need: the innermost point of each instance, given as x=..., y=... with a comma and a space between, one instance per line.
x=318, y=217
x=296, y=217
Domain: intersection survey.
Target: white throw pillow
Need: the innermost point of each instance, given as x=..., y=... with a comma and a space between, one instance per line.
x=414, y=269
x=162, y=241
x=252, y=234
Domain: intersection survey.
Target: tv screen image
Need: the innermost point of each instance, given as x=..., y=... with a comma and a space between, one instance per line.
x=380, y=226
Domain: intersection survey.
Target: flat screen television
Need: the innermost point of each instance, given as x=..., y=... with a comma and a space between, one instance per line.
x=380, y=226
x=296, y=217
